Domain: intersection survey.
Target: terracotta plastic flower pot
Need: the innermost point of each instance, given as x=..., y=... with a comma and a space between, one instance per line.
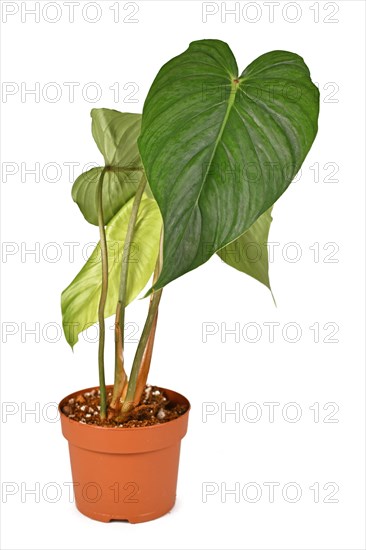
x=125, y=473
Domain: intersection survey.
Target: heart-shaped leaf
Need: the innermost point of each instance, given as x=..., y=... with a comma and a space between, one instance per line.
x=79, y=301
x=116, y=136
x=249, y=253
x=219, y=149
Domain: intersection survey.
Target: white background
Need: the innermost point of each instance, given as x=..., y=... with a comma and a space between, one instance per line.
x=324, y=289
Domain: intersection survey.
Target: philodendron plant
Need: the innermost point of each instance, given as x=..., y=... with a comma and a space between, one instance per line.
x=195, y=175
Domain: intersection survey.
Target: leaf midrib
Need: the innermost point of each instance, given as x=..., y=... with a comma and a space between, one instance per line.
x=234, y=89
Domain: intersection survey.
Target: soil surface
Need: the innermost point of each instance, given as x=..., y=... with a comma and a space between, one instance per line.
x=154, y=408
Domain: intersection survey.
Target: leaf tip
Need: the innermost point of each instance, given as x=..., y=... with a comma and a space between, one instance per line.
x=273, y=298
x=148, y=293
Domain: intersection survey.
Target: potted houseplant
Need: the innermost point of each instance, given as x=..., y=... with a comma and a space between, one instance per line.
x=196, y=174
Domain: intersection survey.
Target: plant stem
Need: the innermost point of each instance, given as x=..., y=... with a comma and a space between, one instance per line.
x=142, y=359
x=129, y=400
x=103, y=298
x=145, y=363
x=120, y=377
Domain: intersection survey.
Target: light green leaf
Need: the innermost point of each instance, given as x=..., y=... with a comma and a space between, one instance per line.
x=116, y=136
x=79, y=301
x=219, y=149
x=118, y=188
x=249, y=253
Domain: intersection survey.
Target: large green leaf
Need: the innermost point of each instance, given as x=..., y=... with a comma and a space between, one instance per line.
x=249, y=253
x=116, y=136
x=79, y=301
x=219, y=149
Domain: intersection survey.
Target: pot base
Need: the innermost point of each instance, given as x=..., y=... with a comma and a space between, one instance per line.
x=106, y=518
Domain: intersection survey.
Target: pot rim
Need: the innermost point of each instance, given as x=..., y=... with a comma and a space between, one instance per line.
x=104, y=428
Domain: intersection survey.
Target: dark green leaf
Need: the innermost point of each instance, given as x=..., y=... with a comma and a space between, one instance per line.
x=219, y=149
x=249, y=253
